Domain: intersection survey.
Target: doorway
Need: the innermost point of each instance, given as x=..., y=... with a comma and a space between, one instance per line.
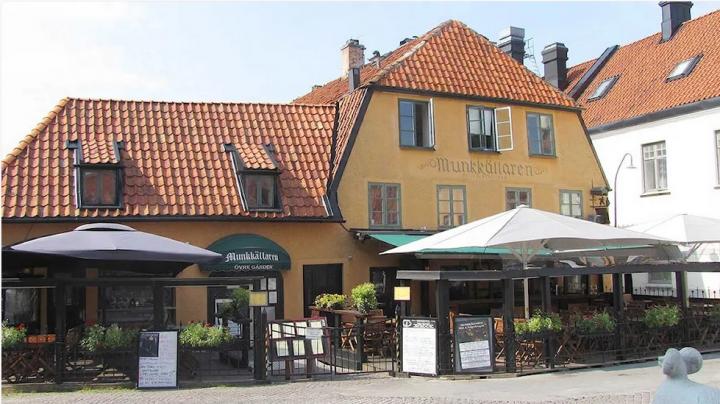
x=319, y=279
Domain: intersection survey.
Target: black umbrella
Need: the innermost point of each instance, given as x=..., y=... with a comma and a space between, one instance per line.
x=114, y=242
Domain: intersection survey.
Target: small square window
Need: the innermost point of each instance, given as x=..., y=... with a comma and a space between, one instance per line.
x=451, y=206
x=684, y=68
x=541, y=136
x=415, y=124
x=515, y=197
x=99, y=187
x=384, y=205
x=603, y=88
x=260, y=191
x=571, y=203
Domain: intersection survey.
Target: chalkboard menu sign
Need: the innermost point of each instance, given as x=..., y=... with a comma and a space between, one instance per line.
x=474, y=344
x=419, y=345
x=158, y=359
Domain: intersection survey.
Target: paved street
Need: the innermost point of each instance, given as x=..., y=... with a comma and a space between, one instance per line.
x=620, y=384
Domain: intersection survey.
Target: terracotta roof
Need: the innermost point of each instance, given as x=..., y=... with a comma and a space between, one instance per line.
x=348, y=111
x=576, y=72
x=173, y=157
x=255, y=157
x=644, y=65
x=451, y=58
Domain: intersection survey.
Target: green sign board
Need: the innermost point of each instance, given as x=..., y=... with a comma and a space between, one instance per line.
x=248, y=252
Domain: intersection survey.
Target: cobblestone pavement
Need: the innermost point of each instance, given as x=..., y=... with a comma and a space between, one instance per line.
x=628, y=384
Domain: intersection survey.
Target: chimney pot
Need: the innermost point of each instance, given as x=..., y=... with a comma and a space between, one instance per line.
x=352, y=55
x=512, y=42
x=554, y=58
x=674, y=13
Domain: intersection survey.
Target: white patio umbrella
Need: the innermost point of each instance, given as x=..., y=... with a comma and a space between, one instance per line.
x=690, y=230
x=526, y=231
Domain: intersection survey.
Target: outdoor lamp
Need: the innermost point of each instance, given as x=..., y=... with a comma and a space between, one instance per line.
x=630, y=166
x=402, y=293
x=258, y=298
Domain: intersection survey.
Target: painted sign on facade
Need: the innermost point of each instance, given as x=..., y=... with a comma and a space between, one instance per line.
x=482, y=168
x=248, y=252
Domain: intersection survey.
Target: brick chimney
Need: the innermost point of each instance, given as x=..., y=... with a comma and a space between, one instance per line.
x=674, y=13
x=554, y=58
x=353, y=55
x=512, y=42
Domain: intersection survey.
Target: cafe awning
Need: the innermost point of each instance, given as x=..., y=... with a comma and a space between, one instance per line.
x=396, y=239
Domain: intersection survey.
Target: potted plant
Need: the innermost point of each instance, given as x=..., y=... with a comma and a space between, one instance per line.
x=330, y=301
x=598, y=324
x=204, y=336
x=115, y=346
x=364, y=298
x=540, y=325
x=662, y=317
x=13, y=337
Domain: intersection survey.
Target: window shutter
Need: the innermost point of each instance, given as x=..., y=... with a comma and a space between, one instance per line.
x=503, y=129
x=431, y=112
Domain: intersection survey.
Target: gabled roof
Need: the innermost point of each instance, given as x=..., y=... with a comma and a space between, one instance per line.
x=173, y=158
x=643, y=67
x=451, y=58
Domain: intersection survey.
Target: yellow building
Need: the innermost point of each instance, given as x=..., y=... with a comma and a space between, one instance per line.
x=445, y=129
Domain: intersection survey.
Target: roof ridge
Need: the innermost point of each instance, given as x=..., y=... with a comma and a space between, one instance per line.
x=199, y=102
x=413, y=50
x=39, y=128
x=652, y=35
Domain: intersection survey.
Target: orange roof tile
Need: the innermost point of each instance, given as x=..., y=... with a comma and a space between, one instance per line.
x=173, y=158
x=254, y=156
x=451, y=58
x=575, y=73
x=348, y=111
x=644, y=65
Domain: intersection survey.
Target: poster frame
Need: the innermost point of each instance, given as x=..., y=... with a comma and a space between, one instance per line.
x=177, y=361
x=437, y=344
x=457, y=366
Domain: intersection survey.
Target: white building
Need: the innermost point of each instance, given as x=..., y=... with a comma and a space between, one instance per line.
x=654, y=105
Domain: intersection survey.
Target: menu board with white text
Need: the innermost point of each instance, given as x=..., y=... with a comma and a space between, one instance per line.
x=474, y=344
x=419, y=345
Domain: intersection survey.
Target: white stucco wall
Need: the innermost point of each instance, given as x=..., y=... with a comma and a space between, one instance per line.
x=693, y=185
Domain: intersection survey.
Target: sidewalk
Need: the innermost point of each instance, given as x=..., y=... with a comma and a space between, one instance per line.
x=619, y=384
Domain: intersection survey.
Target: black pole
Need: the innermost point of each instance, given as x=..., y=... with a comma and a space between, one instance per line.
x=619, y=310
x=549, y=342
x=508, y=324
x=258, y=339
x=442, y=301
x=59, y=331
x=684, y=303
x=158, y=307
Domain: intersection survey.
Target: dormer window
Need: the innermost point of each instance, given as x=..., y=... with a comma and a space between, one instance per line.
x=684, y=68
x=260, y=191
x=99, y=187
x=604, y=87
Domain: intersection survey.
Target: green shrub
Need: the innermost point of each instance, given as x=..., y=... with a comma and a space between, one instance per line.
x=662, y=316
x=330, y=301
x=13, y=336
x=97, y=338
x=715, y=313
x=539, y=322
x=198, y=335
x=363, y=297
x=237, y=308
x=598, y=323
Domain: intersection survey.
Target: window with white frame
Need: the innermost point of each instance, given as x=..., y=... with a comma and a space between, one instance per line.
x=515, y=197
x=384, y=205
x=451, y=205
x=660, y=278
x=654, y=167
x=717, y=155
x=571, y=203
x=416, y=123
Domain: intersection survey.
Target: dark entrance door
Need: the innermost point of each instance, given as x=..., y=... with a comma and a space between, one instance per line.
x=319, y=279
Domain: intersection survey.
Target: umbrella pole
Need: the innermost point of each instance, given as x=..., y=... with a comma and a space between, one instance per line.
x=526, y=297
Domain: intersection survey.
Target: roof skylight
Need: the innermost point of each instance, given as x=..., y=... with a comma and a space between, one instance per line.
x=684, y=68
x=603, y=88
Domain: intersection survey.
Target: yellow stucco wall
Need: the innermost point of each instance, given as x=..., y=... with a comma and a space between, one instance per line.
x=377, y=157
x=307, y=243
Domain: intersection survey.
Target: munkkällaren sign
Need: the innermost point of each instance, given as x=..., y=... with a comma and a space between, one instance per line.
x=248, y=252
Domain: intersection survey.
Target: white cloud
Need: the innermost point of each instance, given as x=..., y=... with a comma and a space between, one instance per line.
x=50, y=50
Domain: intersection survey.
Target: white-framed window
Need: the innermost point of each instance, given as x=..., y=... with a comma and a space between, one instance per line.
x=603, y=88
x=384, y=205
x=571, y=203
x=451, y=205
x=416, y=123
x=515, y=197
x=541, y=135
x=684, y=68
x=654, y=167
x=660, y=278
x=717, y=155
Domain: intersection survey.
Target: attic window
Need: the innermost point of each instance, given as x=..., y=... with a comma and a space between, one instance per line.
x=99, y=187
x=684, y=68
x=604, y=87
x=257, y=176
x=260, y=191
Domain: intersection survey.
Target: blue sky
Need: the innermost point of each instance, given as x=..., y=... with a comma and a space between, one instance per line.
x=264, y=52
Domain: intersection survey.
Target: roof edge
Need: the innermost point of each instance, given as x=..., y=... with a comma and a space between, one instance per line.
x=177, y=218
x=697, y=106
x=592, y=72
x=24, y=142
